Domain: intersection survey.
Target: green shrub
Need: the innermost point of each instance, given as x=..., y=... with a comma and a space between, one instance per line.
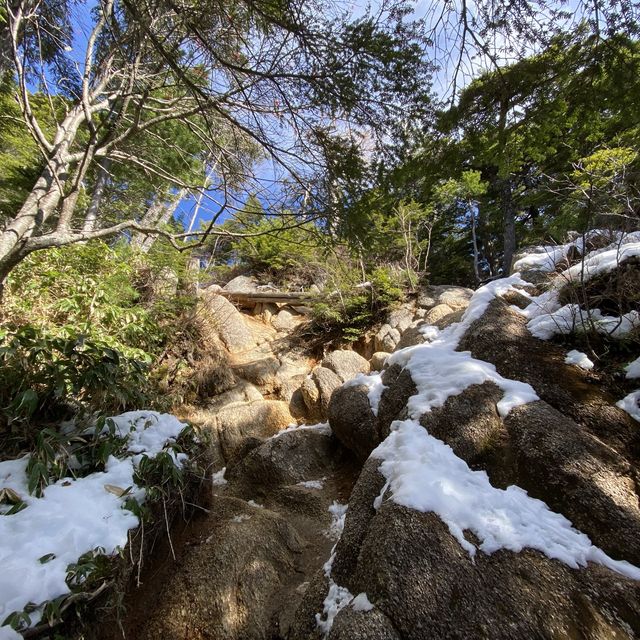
x=352, y=308
x=45, y=377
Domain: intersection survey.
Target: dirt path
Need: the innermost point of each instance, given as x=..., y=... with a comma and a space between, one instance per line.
x=242, y=567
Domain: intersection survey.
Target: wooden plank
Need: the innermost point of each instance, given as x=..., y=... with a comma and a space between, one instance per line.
x=278, y=297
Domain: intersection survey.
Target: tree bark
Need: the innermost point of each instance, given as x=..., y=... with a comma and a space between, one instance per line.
x=104, y=164
x=158, y=214
x=474, y=237
x=509, y=224
x=39, y=205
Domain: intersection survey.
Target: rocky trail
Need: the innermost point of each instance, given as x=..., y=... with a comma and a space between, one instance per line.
x=490, y=488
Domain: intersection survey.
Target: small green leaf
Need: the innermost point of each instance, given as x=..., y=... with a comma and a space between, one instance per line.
x=47, y=558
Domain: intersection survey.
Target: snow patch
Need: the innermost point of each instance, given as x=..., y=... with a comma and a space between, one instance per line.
x=633, y=369
x=338, y=512
x=337, y=597
x=321, y=427
x=604, y=260
x=255, y=505
x=148, y=432
x=572, y=318
x=73, y=516
x=548, y=317
x=631, y=404
x=361, y=602
x=311, y=484
x=374, y=382
x=425, y=474
x=439, y=371
x=218, y=479
x=579, y=359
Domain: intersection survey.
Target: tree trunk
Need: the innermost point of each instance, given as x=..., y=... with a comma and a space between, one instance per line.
x=104, y=164
x=38, y=206
x=509, y=224
x=157, y=216
x=474, y=237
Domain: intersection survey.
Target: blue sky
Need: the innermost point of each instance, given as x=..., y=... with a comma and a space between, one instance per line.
x=444, y=51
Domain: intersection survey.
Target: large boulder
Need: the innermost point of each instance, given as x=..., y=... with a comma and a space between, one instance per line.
x=501, y=337
x=317, y=389
x=289, y=458
x=351, y=624
x=241, y=284
x=425, y=585
x=399, y=387
x=387, y=338
x=550, y=456
x=227, y=322
x=237, y=423
x=428, y=586
x=243, y=391
x=378, y=360
x=352, y=420
x=437, y=313
x=454, y=297
x=401, y=318
x=259, y=367
x=413, y=335
x=345, y=364
x=285, y=320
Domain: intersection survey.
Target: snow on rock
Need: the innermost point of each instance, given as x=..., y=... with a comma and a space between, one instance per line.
x=72, y=517
x=218, y=479
x=571, y=318
x=374, y=382
x=544, y=258
x=439, y=371
x=603, y=260
x=548, y=317
x=311, y=484
x=338, y=514
x=631, y=404
x=361, y=602
x=547, y=258
x=337, y=597
x=322, y=428
x=424, y=474
x=633, y=369
x=579, y=359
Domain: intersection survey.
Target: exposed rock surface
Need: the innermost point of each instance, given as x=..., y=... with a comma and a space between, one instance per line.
x=228, y=322
x=378, y=360
x=353, y=421
x=437, y=313
x=317, y=389
x=454, y=297
x=426, y=586
x=284, y=320
x=238, y=422
x=244, y=566
x=241, y=284
x=255, y=569
x=502, y=338
x=289, y=458
x=387, y=338
x=346, y=364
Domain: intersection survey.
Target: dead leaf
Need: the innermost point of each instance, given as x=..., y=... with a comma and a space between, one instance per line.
x=117, y=491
